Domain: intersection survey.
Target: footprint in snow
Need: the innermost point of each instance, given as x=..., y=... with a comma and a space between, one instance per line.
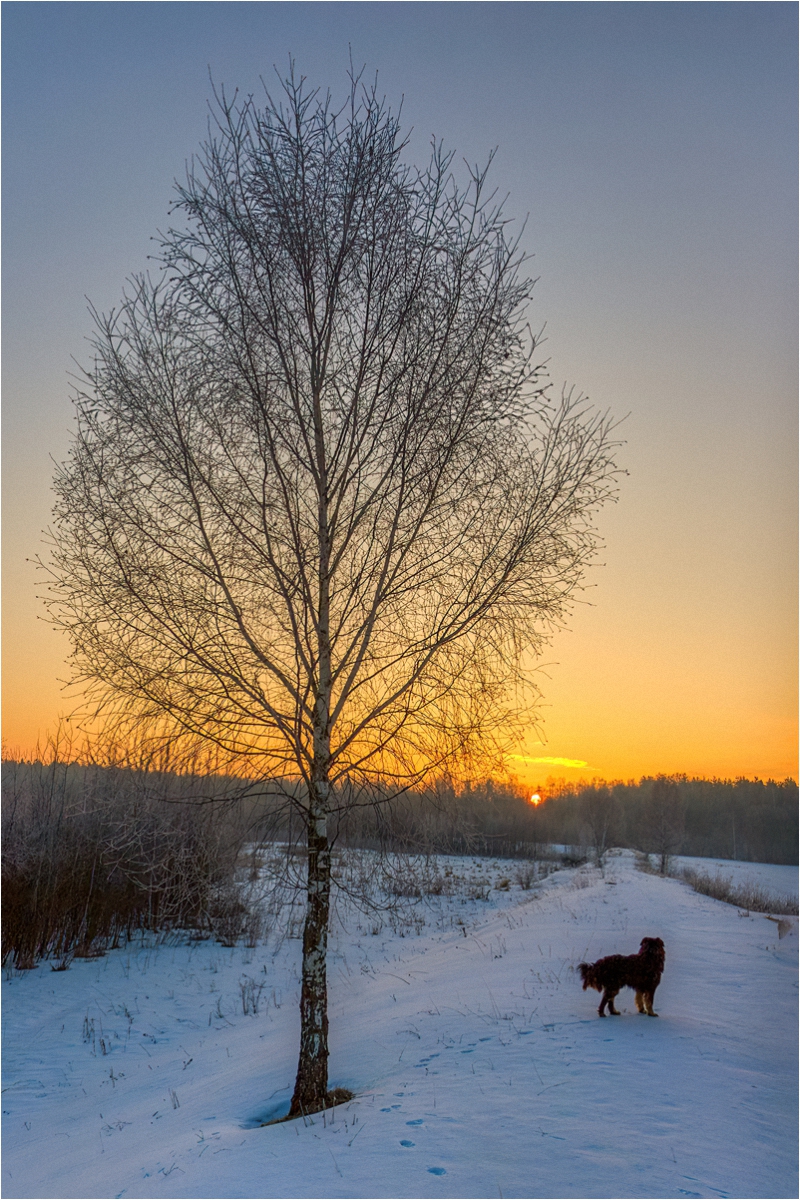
x=436, y=1171
x=420, y=1121
x=406, y=1142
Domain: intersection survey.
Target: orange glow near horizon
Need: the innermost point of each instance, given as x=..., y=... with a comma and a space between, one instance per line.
x=600, y=723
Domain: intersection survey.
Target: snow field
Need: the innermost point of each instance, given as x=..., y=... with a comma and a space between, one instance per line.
x=480, y=1066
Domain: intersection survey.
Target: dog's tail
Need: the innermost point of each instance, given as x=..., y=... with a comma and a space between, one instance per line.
x=586, y=974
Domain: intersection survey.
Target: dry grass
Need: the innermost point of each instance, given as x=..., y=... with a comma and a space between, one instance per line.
x=749, y=896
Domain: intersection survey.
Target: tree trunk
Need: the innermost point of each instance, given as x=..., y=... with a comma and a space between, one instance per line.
x=311, y=1085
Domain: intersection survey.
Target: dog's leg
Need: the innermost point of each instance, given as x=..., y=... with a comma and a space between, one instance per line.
x=648, y=1001
x=640, y=1003
x=608, y=998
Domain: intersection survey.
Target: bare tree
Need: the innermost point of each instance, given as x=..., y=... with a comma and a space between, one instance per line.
x=664, y=820
x=319, y=503
x=599, y=810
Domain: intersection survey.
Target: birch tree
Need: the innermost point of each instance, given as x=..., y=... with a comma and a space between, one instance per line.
x=320, y=509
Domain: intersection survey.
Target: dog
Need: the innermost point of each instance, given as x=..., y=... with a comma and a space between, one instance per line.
x=641, y=971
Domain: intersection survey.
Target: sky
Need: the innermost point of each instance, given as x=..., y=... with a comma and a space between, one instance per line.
x=652, y=149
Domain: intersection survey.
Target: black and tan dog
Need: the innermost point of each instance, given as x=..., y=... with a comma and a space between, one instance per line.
x=641, y=971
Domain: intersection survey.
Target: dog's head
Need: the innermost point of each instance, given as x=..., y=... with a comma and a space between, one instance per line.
x=653, y=948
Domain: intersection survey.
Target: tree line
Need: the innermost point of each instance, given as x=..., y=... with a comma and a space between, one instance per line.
x=752, y=820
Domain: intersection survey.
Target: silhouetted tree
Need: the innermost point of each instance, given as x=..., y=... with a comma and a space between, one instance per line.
x=664, y=820
x=599, y=812
x=319, y=503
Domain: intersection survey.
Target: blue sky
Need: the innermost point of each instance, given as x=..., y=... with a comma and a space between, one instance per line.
x=652, y=148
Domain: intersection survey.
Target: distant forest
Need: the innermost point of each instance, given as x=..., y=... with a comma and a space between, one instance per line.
x=752, y=820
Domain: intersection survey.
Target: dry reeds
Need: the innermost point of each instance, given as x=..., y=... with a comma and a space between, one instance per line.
x=749, y=896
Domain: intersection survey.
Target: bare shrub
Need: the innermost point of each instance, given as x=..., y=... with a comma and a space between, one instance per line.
x=251, y=990
x=227, y=915
x=92, y=855
x=581, y=881
x=255, y=927
x=525, y=875
x=575, y=856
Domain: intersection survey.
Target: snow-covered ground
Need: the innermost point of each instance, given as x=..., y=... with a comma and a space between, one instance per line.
x=480, y=1066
